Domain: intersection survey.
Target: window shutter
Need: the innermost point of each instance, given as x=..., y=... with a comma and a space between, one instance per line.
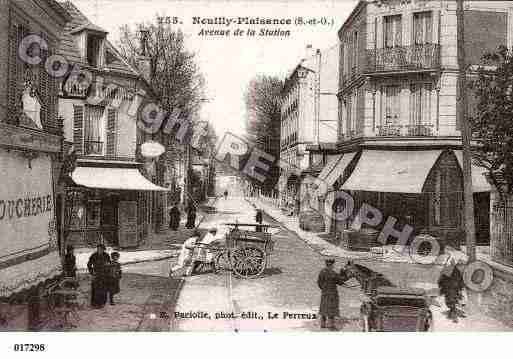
x=78, y=128
x=111, y=131
x=16, y=71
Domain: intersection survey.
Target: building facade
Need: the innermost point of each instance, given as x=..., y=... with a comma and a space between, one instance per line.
x=30, y=148
x=308, y=118
x=109, y=195
x=399, y=139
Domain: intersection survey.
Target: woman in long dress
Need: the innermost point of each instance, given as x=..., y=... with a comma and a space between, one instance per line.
x=98, y=266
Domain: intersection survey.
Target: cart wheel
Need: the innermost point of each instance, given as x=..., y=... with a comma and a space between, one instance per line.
x=222, y=262
x=248, y=261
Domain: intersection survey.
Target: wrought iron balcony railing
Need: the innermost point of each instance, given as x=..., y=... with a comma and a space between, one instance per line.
x=389, y=130
x=403, y=58
x=93, y=148
x=419, y=130
x=424, y=130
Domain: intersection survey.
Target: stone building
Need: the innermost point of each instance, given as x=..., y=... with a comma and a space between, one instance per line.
x=30, y=147
x=308, y=120
x=399, y=139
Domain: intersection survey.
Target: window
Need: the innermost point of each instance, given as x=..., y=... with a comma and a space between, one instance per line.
x=93, y=50
x=93, y=130
x=392, y=31
x=422, y=28
x=93, y=214
x=355, y=51
x=391, y=105
x=420, y=103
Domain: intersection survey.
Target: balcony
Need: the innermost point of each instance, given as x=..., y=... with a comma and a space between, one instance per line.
x=403, y=58
x=93, y=148
x=424, y=130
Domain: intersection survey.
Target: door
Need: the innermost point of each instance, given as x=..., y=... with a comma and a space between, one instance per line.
x=127, y=221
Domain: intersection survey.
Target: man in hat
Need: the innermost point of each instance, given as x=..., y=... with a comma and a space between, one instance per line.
x=327, y=281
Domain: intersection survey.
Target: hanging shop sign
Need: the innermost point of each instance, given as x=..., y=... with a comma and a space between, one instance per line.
x=28, y=244
x=152, y=149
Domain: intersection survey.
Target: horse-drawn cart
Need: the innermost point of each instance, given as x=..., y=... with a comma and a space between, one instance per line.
x=246, y=252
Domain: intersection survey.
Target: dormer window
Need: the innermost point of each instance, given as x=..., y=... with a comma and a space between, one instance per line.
x=94, y=46
x=91, y=40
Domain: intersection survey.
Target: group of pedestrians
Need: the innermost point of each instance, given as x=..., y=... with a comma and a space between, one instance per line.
x=105, y=270
x=175, y=217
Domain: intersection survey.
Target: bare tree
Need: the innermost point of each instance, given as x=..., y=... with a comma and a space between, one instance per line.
x=174, y=74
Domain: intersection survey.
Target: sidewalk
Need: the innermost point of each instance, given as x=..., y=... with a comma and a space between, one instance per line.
x=143, y=304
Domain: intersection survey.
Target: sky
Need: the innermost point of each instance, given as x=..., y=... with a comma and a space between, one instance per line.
x=229, y=63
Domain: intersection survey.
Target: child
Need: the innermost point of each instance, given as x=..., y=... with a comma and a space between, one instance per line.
x=115, y=276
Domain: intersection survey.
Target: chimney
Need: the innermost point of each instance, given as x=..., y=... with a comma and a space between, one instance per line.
x=309, y=52
x=143, y=60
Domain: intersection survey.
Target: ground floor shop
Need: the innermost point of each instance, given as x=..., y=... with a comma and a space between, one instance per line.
x=29, y=250
x=112, y=204
x=421, y=188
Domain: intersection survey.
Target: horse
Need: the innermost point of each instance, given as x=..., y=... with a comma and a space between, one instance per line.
x=369, y=280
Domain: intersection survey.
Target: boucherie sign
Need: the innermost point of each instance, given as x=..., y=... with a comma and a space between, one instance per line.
x=28, y=252
x=12, y=209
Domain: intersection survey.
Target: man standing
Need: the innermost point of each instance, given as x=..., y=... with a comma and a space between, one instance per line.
x=451, y=285
x=327, y=281
x=259, y=218
x=98, y=266
x=174, y=218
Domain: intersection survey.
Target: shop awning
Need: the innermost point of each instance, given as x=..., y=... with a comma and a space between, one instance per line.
x=339, y=168
x=392, y=171
x=479, y=182
x=113, y=178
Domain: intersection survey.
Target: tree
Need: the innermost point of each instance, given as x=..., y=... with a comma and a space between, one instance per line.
x=263, y=113
x=492, y=124
x=174, y=74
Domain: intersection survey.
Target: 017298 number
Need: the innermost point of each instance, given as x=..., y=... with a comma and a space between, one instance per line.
x=29, y=347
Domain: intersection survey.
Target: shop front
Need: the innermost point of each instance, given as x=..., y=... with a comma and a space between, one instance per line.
x=109, y=205
x=422, y=189
x=29, y=253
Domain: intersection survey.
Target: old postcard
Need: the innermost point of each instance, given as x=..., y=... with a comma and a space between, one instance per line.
x=255, y=166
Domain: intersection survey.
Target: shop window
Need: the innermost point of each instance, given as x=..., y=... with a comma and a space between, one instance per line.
x=93, y=214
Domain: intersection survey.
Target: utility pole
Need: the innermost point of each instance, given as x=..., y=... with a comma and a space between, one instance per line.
x=461, y=114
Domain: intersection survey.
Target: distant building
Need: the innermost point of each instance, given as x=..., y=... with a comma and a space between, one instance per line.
x=308, y=118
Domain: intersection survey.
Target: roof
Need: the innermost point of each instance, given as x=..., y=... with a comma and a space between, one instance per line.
x=69, y=49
